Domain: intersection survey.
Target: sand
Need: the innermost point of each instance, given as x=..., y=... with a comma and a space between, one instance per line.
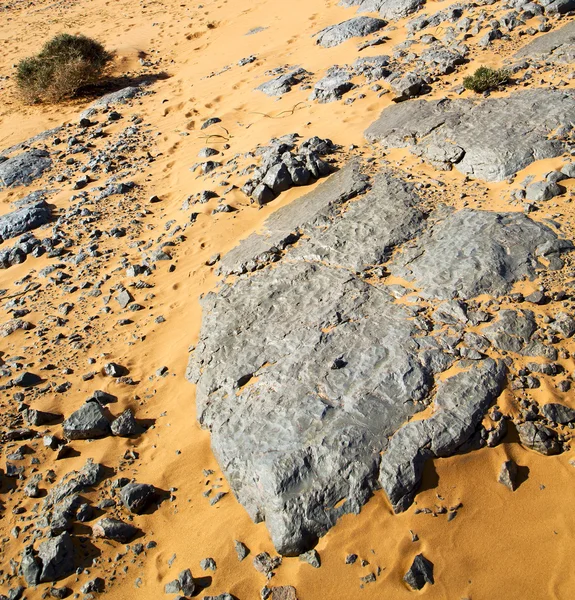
x=501, y=544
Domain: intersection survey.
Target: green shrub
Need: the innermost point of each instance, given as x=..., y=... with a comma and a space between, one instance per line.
x=485, y=79
x=63, y=66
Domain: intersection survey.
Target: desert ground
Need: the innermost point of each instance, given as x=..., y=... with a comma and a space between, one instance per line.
x=133, y=274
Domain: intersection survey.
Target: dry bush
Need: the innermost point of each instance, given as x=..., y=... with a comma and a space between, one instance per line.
x=485, y=79
x=64, y=65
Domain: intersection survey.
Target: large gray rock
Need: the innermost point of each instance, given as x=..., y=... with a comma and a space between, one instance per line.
x=24, y=219
x=307, y=373
x=282, y=84
x=388, y=9
x=87, y=423
x=112, y=99
x=283, y=227
x=333, y=86
x=24, y=168
x=57, y=558
x=473, y=252
x=557, y=46
x=490, y=139
x=356, y=27
x=461, y=403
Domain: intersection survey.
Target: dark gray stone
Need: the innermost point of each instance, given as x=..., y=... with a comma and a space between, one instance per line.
x=490, y=139
x=114, y=529
x=558, y=413
x=125, y=424
x=57, y=558
x=187, y=586
x=508, y=475
x=282, y=84
x=24, y=219
x=136, y=497
x=333, y=86
x=356, y=27
x=539, y=438
x=420, y=573
x=24, y=168
x=87, y=423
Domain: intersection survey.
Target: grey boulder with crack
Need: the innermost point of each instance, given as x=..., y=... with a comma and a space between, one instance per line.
x=24, y=168
x=357, y=27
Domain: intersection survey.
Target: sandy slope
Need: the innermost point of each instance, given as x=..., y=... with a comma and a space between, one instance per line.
x=501, y=544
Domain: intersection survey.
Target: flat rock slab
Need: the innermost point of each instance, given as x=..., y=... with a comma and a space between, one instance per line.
x=388, y=9
x=490, y=139
x=557, y=46
x=356, y=27
x=24, y=168
x=24, y=219
x=308, y=374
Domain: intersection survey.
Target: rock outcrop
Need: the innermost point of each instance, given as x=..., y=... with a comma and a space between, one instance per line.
x=308, y=375
x=491, y=139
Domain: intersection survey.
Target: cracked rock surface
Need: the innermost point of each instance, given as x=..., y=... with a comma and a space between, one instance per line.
x=308, y=374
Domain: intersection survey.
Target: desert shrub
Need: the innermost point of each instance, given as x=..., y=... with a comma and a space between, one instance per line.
x=485, y=79
x=63, y=66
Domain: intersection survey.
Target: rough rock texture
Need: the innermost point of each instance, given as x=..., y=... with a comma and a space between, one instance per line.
x=491, y=139
x=114, y=529
x=420, y=573
x=24, y=168
x=57, y=558
x=557, y=46
x=307, y=374
x=388, y=9
x=473, y=251
x=356, y=27
x=88, y=422
x=24, y=219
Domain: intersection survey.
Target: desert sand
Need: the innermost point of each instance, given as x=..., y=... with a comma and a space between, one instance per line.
x=501, y=544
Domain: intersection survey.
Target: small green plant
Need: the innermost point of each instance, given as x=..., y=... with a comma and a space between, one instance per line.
x=63, y=66
x=485, y=79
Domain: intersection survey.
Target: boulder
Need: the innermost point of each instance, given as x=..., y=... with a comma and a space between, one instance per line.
x=558, y=413
x=539, y=438
x=136, y=497
x=114, y=529
x=557, y=46
x=420, y=573
x=24, y=219
x=57, y=558
x=125, y=425
x=356, y=27
x=388, y=9
x=24, y=168
x=87, y=423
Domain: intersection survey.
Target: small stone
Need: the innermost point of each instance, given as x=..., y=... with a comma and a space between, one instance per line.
x=241, y=550
x=420, y=573
x=311, y=557
x=508, y=475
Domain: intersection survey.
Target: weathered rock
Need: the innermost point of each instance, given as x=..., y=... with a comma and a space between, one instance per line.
x=57, y=558
x=119, y=97
x=312, y=558
x=187, y=586
x=420, y=573
x=282, y=226
x=476, y=252
x=136, y=497
x=14, y=325
x=87, y=423
x=97, y=585
x=241, y=550
x=333, y=86
x=74, y=483
x=512, y=330
x=408, y=86
x=388, y=9
x=284, y=592
x=282, y=84
x=461, y=402
x=24, y=219
x=30, y=566
x=356, y=27
x=508, y=475
x=114, y=529
x=558, y=413
x=542, y=190
x=491, y=139
x=539, y=438
x=24, y=168
x=125, y=424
